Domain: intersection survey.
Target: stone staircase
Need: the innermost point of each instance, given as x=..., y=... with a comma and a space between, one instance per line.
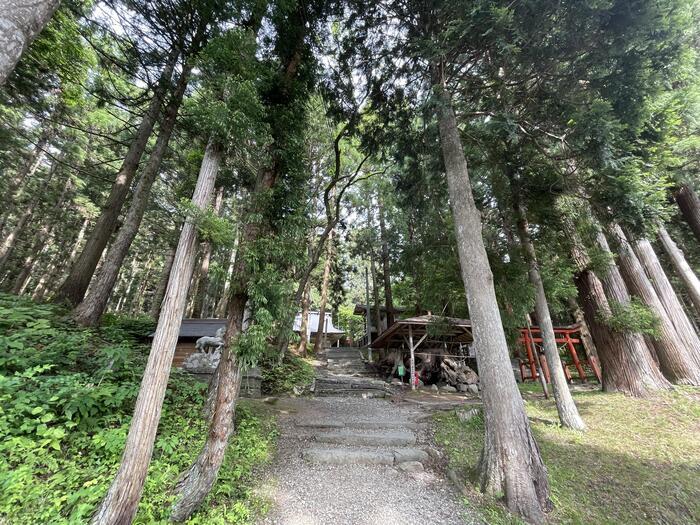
x=346, y=374
x=389, y=443
x=346, y=361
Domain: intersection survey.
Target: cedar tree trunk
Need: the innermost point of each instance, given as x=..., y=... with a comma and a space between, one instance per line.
x=319, y=341
x=388, y=297
x=20, y=22
x=511, y=463
x=162, y=283
x=689, y=204
x=304, y=327
x=627, y=366
x=568, y=413
x=121, y=502
x=202, y=284
x=683, y=269
x=75, y=286
x=678, y=362
x=664, y=290
x=8, y=244
x=90, y=310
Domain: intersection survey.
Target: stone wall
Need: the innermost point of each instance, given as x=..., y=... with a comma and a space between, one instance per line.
x=202, y=365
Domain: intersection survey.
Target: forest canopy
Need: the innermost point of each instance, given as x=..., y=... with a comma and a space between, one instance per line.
x=518, y=164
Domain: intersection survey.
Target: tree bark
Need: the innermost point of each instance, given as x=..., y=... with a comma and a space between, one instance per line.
x=20, y=22
x=162, y=283
x=627, y=365
x=202, y=475
x=627, y=357
x=121, y=502
x=46, y=275
x=304, y=325
x=124, y=297
x=586, y=338
x=202, y=284
x=319, y=341
x=667, y=295
x=196, y=483
x=40, y=240
x=683, y=269
x=8, y=244
x=90, y=310
x=568, y=413
x=137, y=304
x=375, y=294
x=511, y=463
x=36, y=251
x=76, y=284
x=27, y=172
x=689, y=204
x=223, y=301
x=51, y=274
x=386, y=266
x=676, y=360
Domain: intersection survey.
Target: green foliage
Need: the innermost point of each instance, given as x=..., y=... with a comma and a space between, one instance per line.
x=136, y=327
x=633, y=317
x=210, y=226
x=66, y=398
x=280, y=379
x=439, y=327
x=353, y=325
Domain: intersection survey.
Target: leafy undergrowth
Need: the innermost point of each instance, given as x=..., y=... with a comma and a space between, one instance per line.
x=66, y=398
x=281, y=379
x=639, y=462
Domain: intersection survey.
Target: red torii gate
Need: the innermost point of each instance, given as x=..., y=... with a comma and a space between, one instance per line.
x=567, y=335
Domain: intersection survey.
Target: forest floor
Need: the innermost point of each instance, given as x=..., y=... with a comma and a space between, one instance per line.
x=639, y=461
x=303, y=492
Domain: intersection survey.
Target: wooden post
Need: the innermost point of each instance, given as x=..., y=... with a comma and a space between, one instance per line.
x=567, y=374
x=530, y=355
x=574, y=356
x=413, y=357
x=543, y=381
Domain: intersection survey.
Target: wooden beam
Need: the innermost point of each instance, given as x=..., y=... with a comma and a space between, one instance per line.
x=574, y=356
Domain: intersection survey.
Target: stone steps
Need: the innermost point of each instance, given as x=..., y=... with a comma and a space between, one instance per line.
x=361, y=456
x=344, y=355
x=360, y=425
x=387, y=438
x=391, y=442
x=346, y=385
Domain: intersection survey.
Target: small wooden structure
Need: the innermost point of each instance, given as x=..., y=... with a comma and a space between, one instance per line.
x=438, y=335
x=361, y=309
x=567, y=337
x=333, y=334
x=190, y=331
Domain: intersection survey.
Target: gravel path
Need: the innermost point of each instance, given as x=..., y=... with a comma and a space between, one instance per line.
x=304, y=493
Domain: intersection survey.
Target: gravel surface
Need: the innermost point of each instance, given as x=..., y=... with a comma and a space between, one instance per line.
x=303, y=493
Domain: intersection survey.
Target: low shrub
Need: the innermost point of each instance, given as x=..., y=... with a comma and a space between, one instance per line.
x=282, y=378
x=66, y=399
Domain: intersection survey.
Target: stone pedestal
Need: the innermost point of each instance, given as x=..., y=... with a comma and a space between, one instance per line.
x=202, y=366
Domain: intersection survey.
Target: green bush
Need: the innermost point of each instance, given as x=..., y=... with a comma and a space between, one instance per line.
x=282, y=378
x=633, y=317
x=66, y=399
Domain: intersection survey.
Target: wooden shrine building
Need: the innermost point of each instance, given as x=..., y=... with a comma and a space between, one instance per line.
x=426, y=336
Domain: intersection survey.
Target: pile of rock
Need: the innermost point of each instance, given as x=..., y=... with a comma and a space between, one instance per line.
x=458, y=376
